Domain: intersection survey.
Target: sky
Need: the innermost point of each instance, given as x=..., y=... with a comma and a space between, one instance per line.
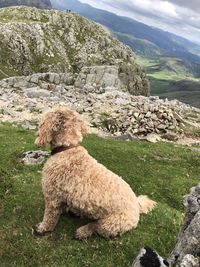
x=177, y=16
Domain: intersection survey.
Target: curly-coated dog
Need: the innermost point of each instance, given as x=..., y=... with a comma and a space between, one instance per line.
x=71, y=177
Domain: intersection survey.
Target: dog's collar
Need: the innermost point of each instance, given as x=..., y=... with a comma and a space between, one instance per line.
x=59, y=149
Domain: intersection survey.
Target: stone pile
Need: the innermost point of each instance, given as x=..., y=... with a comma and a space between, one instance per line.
x=23, y=99
x=142, y=116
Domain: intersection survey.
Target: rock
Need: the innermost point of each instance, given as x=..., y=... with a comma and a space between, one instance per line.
x=34, y=79
x=195, y=149
x=188, y=241
x=187, y=249
x=107, y=77
x=35, y=3
x=170, y=136
x=28, y=35
x=36, y=92
x=153, y=138
x=34, y=157
x=178, y=117
x=114, y=112
x=28, y=126
x=189, y=261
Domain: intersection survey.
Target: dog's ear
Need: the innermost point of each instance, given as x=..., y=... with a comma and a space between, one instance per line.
x=45, y=132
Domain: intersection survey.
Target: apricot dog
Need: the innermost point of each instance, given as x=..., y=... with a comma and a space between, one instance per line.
x=74, y=179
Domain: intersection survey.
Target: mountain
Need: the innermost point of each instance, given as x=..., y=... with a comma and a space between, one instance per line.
x=34, y=40
x=139, y=46
x=33, y=3
x=170, y=44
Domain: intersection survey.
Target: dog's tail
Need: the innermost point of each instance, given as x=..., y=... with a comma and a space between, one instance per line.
x=145, y=204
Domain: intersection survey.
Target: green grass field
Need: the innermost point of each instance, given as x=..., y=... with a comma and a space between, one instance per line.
x=170, y=78
x=162, y=171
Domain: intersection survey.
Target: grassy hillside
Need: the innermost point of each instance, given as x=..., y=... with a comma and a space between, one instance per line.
x=139, y=46
x=173, y=78
x=162, y=171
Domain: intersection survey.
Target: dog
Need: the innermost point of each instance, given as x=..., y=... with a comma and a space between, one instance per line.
x=149, y=258
x=74, y=179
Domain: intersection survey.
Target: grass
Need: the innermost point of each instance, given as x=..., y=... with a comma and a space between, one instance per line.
x=173, y=79
x=162, y=171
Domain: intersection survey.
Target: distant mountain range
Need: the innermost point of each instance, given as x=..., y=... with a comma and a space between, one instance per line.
x=143, y=39
x=33, y=3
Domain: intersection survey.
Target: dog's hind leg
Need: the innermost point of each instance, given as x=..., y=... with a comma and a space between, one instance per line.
x=111, y=226
x=51, y=216
x=117, y=224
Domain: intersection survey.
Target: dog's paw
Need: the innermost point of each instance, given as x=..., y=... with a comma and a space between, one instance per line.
x=37, y=230
x=80, y=235
x=83, y=233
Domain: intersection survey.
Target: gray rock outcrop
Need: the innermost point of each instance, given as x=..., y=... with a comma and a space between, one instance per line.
x=33, y=41
x=99, y=78
x=31, y=3
x=188, y=242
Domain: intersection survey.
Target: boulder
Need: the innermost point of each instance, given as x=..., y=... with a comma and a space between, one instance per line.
x=188, y=241
x=36, y=92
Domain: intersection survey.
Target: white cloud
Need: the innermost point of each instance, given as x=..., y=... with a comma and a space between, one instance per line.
x=163, y=7
x=177, y=16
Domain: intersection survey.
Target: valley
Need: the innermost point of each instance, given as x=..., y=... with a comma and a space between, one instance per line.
x=173, y=78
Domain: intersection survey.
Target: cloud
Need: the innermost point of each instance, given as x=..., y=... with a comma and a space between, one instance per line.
x=177, y=16
x=163, y=7
x=191, y=4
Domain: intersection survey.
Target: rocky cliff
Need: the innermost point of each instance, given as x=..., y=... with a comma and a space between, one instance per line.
x=33, y=40
x=32, y=3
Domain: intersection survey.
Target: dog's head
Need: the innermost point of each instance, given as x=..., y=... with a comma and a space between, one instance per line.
x=61, y=127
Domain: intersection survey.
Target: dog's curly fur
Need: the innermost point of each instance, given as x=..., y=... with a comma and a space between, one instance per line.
x=74, y=179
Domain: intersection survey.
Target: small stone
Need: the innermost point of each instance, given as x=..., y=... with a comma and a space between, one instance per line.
x=136, y=114
x=34, y=157
x=161, y=127
x=36, y=92
x=170, y=136
x=189, y=261
x=153, y=138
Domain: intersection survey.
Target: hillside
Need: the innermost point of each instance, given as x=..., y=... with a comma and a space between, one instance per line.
x=169, y=43
x=139, y=46
x=34, y=40
x=170, y=66
x=32, y=3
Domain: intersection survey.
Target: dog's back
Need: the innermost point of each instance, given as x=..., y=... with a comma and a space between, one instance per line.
x=86, y=185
